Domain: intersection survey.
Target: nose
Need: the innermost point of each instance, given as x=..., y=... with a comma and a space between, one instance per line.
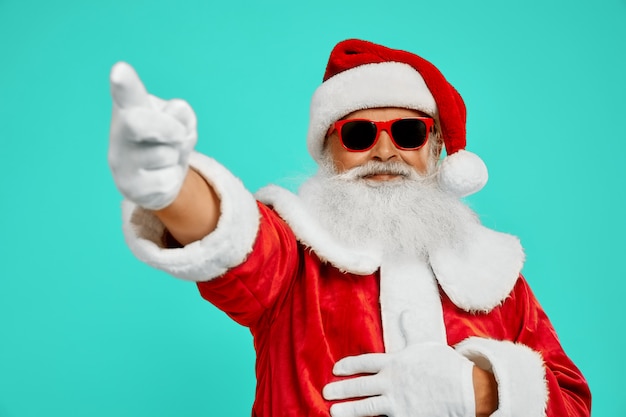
x=384, y=150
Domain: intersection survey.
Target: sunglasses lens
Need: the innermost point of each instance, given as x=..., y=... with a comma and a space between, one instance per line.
x=358, y=135
x=409, y=133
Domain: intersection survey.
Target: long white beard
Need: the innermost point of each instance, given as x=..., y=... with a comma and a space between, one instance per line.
x=410, y=215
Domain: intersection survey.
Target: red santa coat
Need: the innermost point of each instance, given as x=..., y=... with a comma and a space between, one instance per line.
x=306, y=312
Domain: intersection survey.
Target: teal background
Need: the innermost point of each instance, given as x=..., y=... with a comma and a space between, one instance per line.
x=87, y=330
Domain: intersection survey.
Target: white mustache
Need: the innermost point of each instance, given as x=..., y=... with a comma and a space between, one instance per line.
x=379, y=168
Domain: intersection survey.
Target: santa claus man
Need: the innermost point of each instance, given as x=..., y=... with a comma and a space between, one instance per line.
x=375, y=290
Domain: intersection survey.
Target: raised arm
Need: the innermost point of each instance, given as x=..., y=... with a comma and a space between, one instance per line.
x=150, y=143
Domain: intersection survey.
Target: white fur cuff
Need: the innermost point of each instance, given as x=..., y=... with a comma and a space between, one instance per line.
x=519, y=372
x=227, y=246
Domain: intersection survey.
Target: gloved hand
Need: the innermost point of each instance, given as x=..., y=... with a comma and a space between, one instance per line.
x=150, y=141
x=422, y=380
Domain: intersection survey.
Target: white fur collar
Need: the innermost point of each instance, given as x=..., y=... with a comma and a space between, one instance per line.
x=476, y=277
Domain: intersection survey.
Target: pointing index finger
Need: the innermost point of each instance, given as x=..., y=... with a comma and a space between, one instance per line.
x=127, y=89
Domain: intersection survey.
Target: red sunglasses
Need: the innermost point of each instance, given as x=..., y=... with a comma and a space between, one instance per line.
x=360, y=135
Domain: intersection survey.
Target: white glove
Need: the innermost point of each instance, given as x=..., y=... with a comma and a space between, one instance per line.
x=422, y=380
x=150, y=141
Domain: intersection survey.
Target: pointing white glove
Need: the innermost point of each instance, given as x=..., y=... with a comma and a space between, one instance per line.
x=422, y=380
x=150, y=141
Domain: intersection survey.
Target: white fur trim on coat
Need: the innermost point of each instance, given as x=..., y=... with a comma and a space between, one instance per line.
x=519, y=372
x=310, y=233
x=227, y=246
x=386, y=84
x=477, y=274
x=409, y=289
x=480, y=274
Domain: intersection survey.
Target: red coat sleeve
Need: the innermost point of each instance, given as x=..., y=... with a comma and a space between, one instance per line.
x=517, y=342
x=249, y=290
x=568, y=391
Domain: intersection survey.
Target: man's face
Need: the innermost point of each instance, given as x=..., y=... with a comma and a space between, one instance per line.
x=384, y=150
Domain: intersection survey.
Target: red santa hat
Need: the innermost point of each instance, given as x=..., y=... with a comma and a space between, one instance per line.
x=362, y=75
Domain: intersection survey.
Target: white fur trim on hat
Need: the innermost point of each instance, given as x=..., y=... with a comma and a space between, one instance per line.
x=227, y=246
x=519, y=372
x=462, y=173
x=387, y=84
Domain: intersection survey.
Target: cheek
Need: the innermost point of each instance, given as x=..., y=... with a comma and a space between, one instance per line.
x=345, y=160
x=342, y=158
x=418, y=159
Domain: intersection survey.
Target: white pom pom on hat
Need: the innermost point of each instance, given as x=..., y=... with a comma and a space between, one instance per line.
x=462, y=173
x=362, y=75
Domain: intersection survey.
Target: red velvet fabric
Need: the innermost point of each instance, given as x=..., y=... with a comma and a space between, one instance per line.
x=305, y=315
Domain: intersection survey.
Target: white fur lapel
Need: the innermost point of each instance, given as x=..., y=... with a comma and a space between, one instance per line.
x=310, y=233
x=477, y=276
